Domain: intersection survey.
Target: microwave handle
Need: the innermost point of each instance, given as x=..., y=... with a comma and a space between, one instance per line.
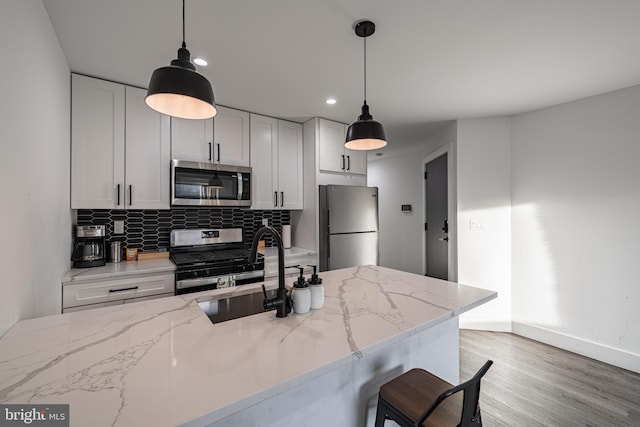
x=240, y=189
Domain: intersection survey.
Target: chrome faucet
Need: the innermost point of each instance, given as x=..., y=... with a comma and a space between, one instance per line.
x=282, y=301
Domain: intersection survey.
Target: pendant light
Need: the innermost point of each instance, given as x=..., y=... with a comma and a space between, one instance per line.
x=365, y=133
x=215, y=181
x=178, y=90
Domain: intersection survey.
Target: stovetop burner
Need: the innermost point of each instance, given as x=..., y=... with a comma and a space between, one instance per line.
x=206, y=258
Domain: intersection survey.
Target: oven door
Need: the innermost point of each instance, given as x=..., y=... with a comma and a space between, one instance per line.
x=187, y=286
x=208, y=184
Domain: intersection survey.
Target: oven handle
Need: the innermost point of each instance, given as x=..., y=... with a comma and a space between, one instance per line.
x=191, y=283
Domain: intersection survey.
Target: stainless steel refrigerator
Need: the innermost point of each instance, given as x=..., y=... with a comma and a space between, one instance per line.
x=348, y=226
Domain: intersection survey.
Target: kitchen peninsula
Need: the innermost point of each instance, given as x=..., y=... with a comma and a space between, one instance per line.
x=162, y=362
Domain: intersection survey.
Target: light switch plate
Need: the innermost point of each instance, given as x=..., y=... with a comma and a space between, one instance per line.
x=477, y=226
x=118, y=227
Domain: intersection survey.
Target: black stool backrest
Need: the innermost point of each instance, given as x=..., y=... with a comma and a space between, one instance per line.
x=471, y=390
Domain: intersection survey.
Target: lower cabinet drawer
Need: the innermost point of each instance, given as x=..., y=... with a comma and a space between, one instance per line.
x=116, y=290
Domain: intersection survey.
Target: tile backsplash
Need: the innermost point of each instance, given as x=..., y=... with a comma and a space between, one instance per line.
x=149, y=229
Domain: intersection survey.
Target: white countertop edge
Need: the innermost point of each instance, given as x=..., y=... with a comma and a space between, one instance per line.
x=118, y=270
x=459, y=311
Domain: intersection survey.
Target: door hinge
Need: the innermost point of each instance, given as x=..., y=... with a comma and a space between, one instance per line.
x=425, y=174
x=425, y=226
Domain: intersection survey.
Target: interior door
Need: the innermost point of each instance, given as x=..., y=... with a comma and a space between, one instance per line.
x=437, y=228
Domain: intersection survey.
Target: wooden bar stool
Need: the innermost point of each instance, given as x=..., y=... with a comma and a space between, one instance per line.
x=419, y=398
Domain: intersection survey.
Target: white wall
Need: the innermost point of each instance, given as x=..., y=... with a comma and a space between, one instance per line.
x=399, y=177
x=484, y=217
x=34, y=176
x=576, y=232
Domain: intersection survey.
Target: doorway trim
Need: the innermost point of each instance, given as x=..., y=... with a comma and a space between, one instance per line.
x=452, y=202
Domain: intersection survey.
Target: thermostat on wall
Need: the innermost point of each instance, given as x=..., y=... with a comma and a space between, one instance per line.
x=406, y=208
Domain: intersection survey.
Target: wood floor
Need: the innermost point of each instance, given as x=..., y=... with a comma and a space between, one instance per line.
x=533, y=384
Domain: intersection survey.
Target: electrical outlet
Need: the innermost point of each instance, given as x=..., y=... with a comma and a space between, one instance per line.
x=118, y=227
x=265, y=222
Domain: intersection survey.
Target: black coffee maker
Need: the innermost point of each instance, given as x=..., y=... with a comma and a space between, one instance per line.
x=89, y=249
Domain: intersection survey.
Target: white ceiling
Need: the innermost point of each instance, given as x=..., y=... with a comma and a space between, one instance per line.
x=429, y=61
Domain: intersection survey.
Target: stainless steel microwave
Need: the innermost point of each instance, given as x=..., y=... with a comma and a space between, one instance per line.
x=209, y=184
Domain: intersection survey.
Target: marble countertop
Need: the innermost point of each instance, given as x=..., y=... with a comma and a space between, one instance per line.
x=271, y=253
x=163, y=363
x=118, y=270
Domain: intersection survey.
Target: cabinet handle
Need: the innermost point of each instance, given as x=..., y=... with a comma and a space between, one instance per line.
x=118, y=196
x=348, y=163
x=218, y=148
x=210, y=151
x=342, y=162
x=133, y=288
x=275, y=199
x=282, y=199
x=130, y=195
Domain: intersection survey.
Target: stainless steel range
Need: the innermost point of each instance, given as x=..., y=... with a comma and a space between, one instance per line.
x=212, y=258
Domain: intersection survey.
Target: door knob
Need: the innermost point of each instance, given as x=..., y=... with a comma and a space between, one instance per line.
x=444, y=239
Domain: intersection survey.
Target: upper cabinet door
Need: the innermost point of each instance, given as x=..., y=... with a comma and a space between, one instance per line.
x=290, y=175
x=97, y=143
x=148, y=154
x=331, y=152
x=192, y=140
x=231, y=137
x=264, y=160
x=356, y=161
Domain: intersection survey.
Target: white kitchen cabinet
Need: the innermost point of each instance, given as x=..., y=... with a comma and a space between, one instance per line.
x=97, y=143
x=223, y=139
x=116, y=291
x=289, y=165
x=119, y=148
x=192, y=140
x=147, y=154
x=276, y=163
x=333, y=156
x=231, y=137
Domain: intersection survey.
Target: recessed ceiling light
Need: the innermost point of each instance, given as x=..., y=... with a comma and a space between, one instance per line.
x=200, y=61
x=331, y=101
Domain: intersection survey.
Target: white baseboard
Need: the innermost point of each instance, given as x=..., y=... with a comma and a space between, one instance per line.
x=601, y=352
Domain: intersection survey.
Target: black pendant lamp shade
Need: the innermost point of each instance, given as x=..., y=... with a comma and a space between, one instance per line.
x=365, y=133
x=215, y=181
x=178, y=90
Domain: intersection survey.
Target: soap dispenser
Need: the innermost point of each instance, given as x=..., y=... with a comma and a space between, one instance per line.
x=317, y=290
x=301, y=294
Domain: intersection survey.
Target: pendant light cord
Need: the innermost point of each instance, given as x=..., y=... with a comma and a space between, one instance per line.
x=184, y=44
x=365, y=69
